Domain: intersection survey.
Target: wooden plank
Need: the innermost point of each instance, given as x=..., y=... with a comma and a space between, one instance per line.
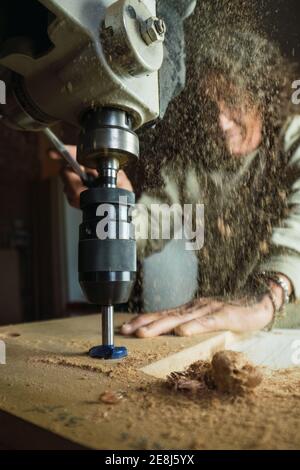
x=279, y=349
x=208, y=345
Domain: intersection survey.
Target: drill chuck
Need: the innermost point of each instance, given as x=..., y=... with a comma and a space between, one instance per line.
x=107, y=249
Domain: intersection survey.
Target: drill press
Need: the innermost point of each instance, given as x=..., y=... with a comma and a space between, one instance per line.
x=97, y=65
x=93, y=64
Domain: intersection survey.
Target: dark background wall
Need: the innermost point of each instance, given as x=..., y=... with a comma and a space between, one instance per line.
x=281, y=19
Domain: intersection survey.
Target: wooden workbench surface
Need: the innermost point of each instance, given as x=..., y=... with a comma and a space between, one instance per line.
x=50, y=382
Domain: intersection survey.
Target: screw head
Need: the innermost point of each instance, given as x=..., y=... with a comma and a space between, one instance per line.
x=160, y=26
x=153, y=30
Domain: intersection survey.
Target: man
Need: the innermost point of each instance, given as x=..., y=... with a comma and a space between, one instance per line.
x=229, y=141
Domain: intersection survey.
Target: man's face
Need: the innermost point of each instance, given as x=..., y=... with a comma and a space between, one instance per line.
x=241, y=127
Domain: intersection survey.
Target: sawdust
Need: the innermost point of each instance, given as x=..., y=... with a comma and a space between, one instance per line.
x=9, y=334
x=112, y=369
x=267, y=418
x=228, y=372
x=155, y=416
x=73, y=362
x=111, y=397
x=231, y=372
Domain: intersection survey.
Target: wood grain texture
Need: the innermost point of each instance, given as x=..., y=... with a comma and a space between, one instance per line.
x=51, y=384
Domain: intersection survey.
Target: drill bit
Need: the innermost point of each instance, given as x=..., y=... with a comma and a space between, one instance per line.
x=108, y=350
x=108, y=326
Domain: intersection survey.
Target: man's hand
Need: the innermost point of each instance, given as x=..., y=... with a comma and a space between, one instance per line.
x=202, y=316
x=73, y=185
x=208, y=315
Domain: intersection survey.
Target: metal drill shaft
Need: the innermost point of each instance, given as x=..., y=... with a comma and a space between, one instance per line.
x=108, y=350
x=108, y=326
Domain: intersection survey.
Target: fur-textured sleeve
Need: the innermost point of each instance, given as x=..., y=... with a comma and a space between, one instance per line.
x=285, y=256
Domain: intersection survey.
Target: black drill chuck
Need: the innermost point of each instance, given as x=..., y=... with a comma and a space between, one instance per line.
x=107, y=249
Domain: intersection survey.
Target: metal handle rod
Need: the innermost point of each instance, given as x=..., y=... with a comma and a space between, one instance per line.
x=64, y=153
x=107, y=326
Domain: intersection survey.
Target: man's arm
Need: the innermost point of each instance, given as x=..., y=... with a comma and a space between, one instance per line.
x=285, y=258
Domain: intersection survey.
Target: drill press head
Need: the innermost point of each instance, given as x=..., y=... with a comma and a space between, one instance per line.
x=60, y=58
x=78, y=56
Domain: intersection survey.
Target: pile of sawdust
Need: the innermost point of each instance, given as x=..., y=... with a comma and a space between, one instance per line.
x=112, y=369
x=228, y=372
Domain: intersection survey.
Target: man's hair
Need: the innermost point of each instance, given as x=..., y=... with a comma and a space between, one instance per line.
x=249, y=64
x=229, y=65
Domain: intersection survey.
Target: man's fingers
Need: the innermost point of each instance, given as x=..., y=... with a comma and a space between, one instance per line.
x=73, y=152
x=91, y=171
x=186, y=308
x=139, y=322
x=217, y=321
x=72, y=149
x=147, y=318
x=123, y=181
x=205, y=316
x=167, y=323
x=73, y=187
x=54, y=155
x=234, y=318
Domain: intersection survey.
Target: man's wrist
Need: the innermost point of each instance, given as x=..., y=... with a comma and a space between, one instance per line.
x=278, y=294
x=281, y=287
x=288, y=283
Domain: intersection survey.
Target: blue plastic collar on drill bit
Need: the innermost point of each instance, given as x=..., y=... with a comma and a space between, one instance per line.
x=108, y=352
